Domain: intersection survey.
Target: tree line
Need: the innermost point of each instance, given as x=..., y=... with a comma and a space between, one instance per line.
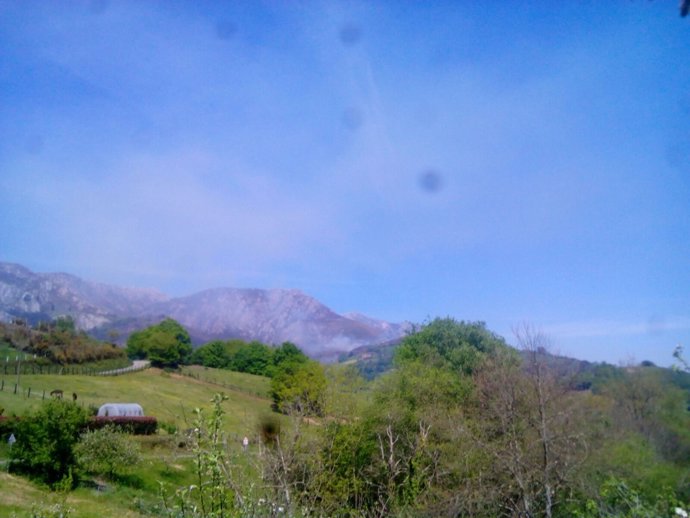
x=297, y=382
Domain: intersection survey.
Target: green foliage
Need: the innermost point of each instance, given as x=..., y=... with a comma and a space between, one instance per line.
x=254, y=358
x=135, y=425
x=299, y=387
x=445, y=341
x=46, y=440
x=616, y=499
x=288, y=353
x=461, y=427
x=166, y=344
x=216, y=354
x=57, y=342
x=212, y=495
x=107, y=452
x=65, y=324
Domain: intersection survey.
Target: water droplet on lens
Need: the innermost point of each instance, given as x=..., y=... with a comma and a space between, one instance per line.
x=431, y=181
x=350, y=34
x=99, y=6
x=352, y=118
x=225, y=30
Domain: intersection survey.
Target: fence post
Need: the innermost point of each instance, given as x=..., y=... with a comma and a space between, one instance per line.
x=28, y=394
x=44, y=394
x=15, y=388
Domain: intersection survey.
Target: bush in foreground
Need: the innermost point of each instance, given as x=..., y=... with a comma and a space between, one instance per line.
x=46, y=440
x=107, y=452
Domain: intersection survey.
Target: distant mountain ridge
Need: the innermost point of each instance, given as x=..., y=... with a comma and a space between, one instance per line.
x=270, y=316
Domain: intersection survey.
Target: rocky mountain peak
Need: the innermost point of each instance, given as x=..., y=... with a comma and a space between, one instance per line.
x=271, y=316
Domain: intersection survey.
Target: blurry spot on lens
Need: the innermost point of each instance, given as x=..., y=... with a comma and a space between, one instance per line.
x=352, y=118
x=430, y=181
x=225, y=30
x=99, y=6
x=34, y=144
x=350, y=34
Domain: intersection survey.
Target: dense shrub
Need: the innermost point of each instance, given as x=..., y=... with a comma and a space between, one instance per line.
x=166, y=344
x=137, y=425
x=7, y=426
x=107, y=452
x=46, y=439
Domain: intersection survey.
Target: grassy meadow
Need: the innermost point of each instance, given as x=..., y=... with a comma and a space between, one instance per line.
x=170, y=397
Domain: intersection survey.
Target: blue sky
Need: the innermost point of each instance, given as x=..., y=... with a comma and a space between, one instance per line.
x=500, y=161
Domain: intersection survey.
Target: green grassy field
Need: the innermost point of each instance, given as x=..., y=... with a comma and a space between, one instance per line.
x=137, y=495
x=236, y=381
x=170, y=397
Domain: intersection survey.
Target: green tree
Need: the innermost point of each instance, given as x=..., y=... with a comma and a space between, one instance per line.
x=445, y=341
x=288, y=353
x=166, y=344
x=213, y=354
x=254, y=358
x=299, y=387
x=46, y=440
x=65, y=324
x=107, y=452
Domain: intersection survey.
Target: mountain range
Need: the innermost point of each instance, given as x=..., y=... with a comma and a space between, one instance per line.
x=113, y=312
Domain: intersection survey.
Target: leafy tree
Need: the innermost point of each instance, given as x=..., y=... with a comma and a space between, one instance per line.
x=299, y=387
x=288, y=353
x=254, y=358
x=65, y=324
x=445, y=341
x=46, y=440
x=166, y=344
x=212, y=354
x=107, y=452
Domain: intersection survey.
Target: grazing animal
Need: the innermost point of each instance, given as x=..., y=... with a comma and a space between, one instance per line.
x=57, y=394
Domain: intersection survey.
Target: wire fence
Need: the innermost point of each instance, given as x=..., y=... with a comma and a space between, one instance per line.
x=25, y=368
x=13, y=386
